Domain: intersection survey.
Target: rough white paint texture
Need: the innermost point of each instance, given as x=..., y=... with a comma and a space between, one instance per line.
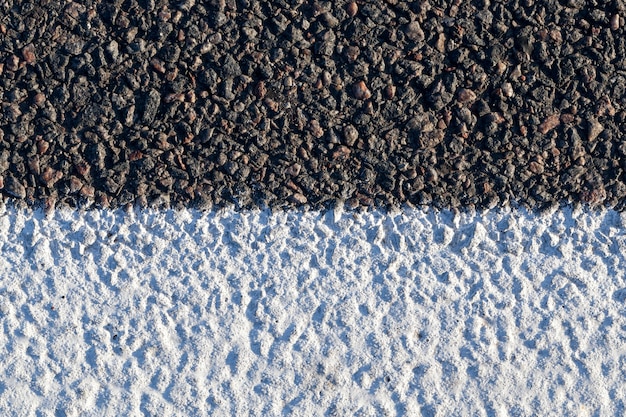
x=106, y=313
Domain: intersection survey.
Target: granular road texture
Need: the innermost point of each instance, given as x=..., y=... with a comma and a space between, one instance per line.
x=299, y=103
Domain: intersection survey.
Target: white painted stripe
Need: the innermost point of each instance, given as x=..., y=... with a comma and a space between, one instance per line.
x=225, y=313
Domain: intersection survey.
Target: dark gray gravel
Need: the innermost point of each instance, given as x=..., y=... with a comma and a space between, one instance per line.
x=297, y=103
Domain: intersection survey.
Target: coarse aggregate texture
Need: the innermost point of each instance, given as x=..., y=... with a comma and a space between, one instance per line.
x=501, y=313
x=305, y=103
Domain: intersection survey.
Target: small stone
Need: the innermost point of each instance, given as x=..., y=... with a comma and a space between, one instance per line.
x=171, y=75
x=595, y=128
x=410, y=173
x=615, y=22
x=75, y=184
x=151, y=106
x=326, y=78
x=230, y=67
x=186, y=5
x=352, y=203
x=302, y=153
x=360, y=91
x=501, y=67
x=177, y=16
x=549, y=123
x=350, y=135
x=567, y=118
x=13, y=63
x=341, y=152
x=315, y=129
x=33, y=164
x=337, y=83
x=390, y=91
x=440, y=43
x=329, y=20
x=536, y=167
x=431, y=175
x=260, y=90
x=50, y=176
x=466, y=96
x=174, y=97
x=298, y=198
x=271, y=104
x=14, y=188
x=507, y=90
x=49, y=205
x=165, y=15
x=352, y=53
x=74, y=45
x=352, y=9
x=414, y=32
x=292, y=186
x=12, y=112
x=158, y=66
x=365, y=200
x=39, y=99
x=293, y=170
x=42, y=146
x=170, y=53
x=135, y=156
x=516, y=73
x=87, y=191
x=523, y=130
x=83, y=170
x=605, y=107
x=556, y=36
x=28, y=53
x=113, y=50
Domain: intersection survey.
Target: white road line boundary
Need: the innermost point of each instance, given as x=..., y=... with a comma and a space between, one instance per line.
x=225, y=313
